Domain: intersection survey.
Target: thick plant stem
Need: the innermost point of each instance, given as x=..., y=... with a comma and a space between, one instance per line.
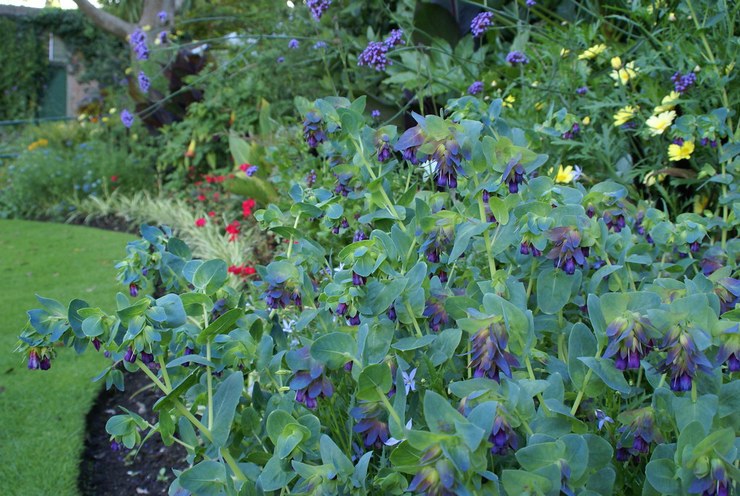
x=290, y=242
x=165, y=389
x=581, y=392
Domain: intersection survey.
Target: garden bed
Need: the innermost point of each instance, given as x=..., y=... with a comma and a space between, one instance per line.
x=144, y=471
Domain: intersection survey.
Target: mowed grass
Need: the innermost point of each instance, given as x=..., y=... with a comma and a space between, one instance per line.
x=42, y=414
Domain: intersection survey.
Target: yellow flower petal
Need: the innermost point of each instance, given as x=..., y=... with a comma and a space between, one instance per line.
x=657, y=124
x=680, y=152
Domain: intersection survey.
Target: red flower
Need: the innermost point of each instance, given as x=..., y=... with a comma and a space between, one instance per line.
x=211, y=214
x=243, y=271
x=248, y=271
x=247, y=206
x=201, y=197
x=216, y=196
x=209, y=179
x=244, y=167
x=200, y=222
x=233, y=229
x=113, y=179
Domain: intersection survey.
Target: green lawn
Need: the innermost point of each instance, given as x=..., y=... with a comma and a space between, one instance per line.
x=42, y=414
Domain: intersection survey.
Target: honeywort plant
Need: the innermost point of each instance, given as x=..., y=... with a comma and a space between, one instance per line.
x=491, y=328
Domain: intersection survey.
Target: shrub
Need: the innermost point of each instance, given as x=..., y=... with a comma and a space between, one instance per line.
x=492, y=327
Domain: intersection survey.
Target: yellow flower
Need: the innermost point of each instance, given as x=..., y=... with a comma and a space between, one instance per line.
x=668, y=102
x=38, y=144
x=672, y=17
x=586, y=121
x=622, y=74
x=700, y=203
x=661, y=122
x=112, y=111
x=509, y=101
x=564, y=52
x=566, y=175
x=680, y=152
x=539, y=106
x=624, y=115
x=105, y=119
x=592, y=53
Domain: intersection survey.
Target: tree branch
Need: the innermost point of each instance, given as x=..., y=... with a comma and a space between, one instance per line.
x=106, y=21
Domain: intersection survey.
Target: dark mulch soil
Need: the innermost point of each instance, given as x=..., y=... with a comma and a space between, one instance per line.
x=104, y=472
x=108, y=222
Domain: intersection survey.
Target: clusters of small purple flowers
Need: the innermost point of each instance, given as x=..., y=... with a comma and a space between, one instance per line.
x=409, y=142
x=486, y=196
x=375, y=56
x=319, y=45
x=683, y=359
x=395, y=38
x=489, y=356
x=279, y=296
x=517, y=57
x=371, y=424
x=727, y=290
x=448, y=156
x=375, y=114
x=251, y=170
x=162, y=16
x=313, y=130
x=127, y=118
x=681, y=83
x=436, y=244
x=133, y=290
x=643, y=433
x=530, y=3
x=567, y=252
x=628, y=340
x=293, y=44
x=144, y=82
x=436, y=477
x=707, y=141
x=481, y=23
x=310, y=384
x=318, y=7
x=311, y=178
x=475, y=88
x=138, y=44
x=572, y=132
x=527, y=248
x=582, y=90
x=614, y=220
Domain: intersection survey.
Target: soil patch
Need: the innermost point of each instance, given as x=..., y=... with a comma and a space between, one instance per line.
x=104, y=472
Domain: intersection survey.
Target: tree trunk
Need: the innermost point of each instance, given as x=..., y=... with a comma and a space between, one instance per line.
x=120, y=28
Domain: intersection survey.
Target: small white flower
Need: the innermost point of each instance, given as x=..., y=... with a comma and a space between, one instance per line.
x=288, y=326
x=392, y=441
x=428, y=168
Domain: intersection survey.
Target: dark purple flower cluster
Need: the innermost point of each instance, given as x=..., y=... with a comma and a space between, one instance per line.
x=384, y=148
x=642, y=432
x=313, y=130
x=375, y=114
x=133, y=290
x=530, y=3
x=572, y=132
x=358, y=280
x=436, y=477
x=513, y=176
x=279, y=296
x=582, y=90
x=475, y=88
x=436, y=313
x=716, y=482
x=681, y=83
x=517, y=57
x=489, y=356
x=567, y=252
x=343, y=188
x=144, y=82
x=683, y=359
x=372, y=424
x=36, y=362
x=727, y=290
x=409, y=142
x=318, y=7
x=127, y=118
x=707, y=141
x=614, y=220
x=311, y=178
x=310, y=384
x=448, y=156
x=293, y=44
x=138, y=44
x=502, y=435
x=481, y=23
x=375, y=56
x=628, y=340
x=162, y=16
x=437, y=243
x=527, y=248
x=130, y=355
x=486, y=196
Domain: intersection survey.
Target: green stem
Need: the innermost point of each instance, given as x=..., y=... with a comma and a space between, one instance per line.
x=388, y=406
x=413, y=319
x=290, y=242
x=154, y=378
x=209, y=382
x=581, y=392
x=165, y=375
